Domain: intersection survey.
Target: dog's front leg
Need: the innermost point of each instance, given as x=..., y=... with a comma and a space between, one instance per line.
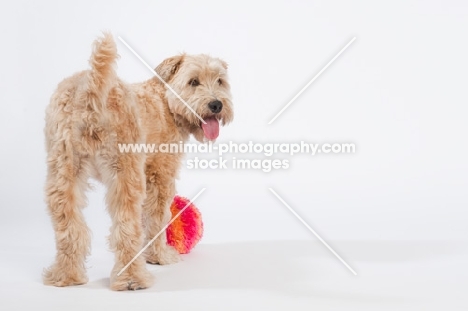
x=157, y=214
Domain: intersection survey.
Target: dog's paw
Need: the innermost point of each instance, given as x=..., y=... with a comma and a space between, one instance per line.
x=131, y=280
x=165, y=256
x=60, y=276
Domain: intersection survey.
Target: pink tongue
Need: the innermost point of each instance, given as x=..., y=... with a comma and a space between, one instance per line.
x=211, y=128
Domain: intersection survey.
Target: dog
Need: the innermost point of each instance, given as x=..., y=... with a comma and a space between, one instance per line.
x=89, y=115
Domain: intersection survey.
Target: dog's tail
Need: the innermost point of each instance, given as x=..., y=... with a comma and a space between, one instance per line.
x=102, y=74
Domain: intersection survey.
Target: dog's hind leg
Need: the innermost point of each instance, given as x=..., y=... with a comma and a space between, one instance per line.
x=157, y=214
x=126, y=192
x=65, y=196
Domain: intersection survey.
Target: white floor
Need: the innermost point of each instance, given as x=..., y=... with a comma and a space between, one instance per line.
x=267, y=275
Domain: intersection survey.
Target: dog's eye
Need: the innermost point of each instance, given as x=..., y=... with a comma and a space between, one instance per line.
x=220, y=82
x=194, y=82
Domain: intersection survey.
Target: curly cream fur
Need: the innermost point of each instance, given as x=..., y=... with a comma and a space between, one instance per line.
x=93, y=111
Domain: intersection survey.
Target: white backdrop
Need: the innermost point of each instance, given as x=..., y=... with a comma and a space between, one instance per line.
x=398, y=93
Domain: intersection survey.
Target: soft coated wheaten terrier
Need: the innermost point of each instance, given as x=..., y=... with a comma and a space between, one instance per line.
x=92, y=112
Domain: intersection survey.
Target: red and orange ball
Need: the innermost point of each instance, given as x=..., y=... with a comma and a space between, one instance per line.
x=187, y=229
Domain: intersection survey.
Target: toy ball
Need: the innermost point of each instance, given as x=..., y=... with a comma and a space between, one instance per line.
x=187, y=229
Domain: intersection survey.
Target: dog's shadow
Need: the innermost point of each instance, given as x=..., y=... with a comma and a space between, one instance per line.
x=254, y=265
x=268, y=265
x=278, y=266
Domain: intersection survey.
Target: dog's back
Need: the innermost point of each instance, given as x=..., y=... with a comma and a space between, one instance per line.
x=81, y=98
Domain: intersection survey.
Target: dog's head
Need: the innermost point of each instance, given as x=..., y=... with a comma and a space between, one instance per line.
x=202, y=82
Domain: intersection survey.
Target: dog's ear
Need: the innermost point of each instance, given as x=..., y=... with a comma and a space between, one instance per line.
x=168, y=68
x=224, y=64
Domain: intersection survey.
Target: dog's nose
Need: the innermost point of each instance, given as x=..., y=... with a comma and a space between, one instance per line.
x=215, y=106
